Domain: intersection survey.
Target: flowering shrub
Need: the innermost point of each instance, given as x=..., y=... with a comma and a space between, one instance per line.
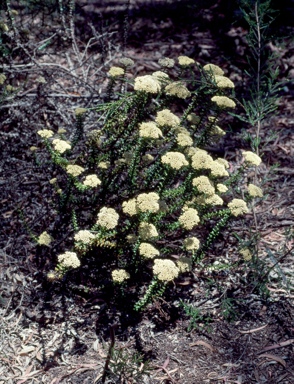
x=144, y=197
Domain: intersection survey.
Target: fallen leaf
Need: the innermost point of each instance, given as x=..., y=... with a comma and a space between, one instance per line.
x=275, y=358
x=254, y=329
x=26, y=350
x=279, y=345
x=204, y=343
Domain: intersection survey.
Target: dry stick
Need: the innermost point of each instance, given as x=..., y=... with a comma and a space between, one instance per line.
x=110, y=349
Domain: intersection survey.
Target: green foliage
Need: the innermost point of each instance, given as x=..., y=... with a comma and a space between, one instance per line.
x=197, y=320
x=141, y=187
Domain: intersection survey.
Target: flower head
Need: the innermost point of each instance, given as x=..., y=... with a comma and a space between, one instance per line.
x=184, y=140
x=185, y=61
x=149, y=130
x=254, y=190
x=189, y=218
x=92, y=181
x=44, y=239
x=126, y=62
x=147, y=84
x=45, y=133
x=166, y=62
x=84, y=236
x=191, y=243
x=223, y=102
x=161, y=76
x=238, y=207
x=147, y=231
x=147, y=250
x=201, y=160
x=69, y=260
x=116, y=71
x=175, y=160
x=148, y=202
x=204, y=185
x=165, y=270
x=107, y=218
x=218, y=169
x=213, y=200
x=119, y=275
x=214, y=69
x=167, y=118
x=74, y=170
x=251, y=158
x=223, y=82
x=177, y=89
x=193, y=118
x=148, y=158
x=103, y=164
x=130, y=207
x=60, y=145
x=80, y=111
x=221, y=188
x=246, y=253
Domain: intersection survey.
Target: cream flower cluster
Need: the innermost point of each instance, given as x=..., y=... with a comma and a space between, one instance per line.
x=246, y=253
x=204, y=185
x=84, y=236
x=175, y=160
x=221, y=188
x=191, y=243
x=149, y=130
x=223, y=82
x=44, y=239
x=145, y=202
x=189, y=218
x=167, y=118
x=223, y=102
x=185, y=61
x=218, y=170
x=69, y=260
x=161, y=76
x=184, y=140
x=166, y=62
x=147, y=250
x=184, y=264
x=45, y=133
x=116, y=71
x=201, y=160
x=251, y=158
x=147, y=84
x=165, y=270
x=213, y=200
x=92, y=181
x=147, y=231
x=61, y=145
x=177, y=89
x=254, y=190
x=238, y=207
x=119, y=275
x=74, y=170
x=214, y=69
x=107, y=218
x=126, y=62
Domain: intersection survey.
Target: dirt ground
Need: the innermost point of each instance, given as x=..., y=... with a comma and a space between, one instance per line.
x=60, y=333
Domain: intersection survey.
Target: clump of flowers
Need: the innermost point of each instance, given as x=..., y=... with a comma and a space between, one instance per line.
x=159, y=182
x=44, y=239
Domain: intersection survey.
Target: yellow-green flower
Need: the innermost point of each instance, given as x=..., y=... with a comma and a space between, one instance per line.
x=69, y=260
x=223, y=82
x=214, y=69
x=147, y=84
x=189, y=218
x=84, y=236
x=191, y=244
x=148, y=202
x=167, y=118
x=254, y=190
x=130, y=207
x=92, y=181
x=184, y=140
x=147, y=250
x=60, y=145
x=185, y=61
x=116, y=71
x=201, y=160
x=126, y=62
x=107, y=218
x=166, y=62
x=218, y=170
x=213, y=200
x=45, y=133
x=223, y=102
x=149, y=130
x=177, y=89
x=147, y=231
x=74, y=170
x=204, y=185
x=238, y=207
x=80, y=111
x=165, y=270
x=161, y=76
x=221, y=188
x=103, y=164
x=119, y=275
x=251, y=158
x=44, y=239
x=175, y=160
x=246, y=253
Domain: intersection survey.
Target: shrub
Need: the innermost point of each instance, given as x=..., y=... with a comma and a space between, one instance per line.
x=140, y=197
